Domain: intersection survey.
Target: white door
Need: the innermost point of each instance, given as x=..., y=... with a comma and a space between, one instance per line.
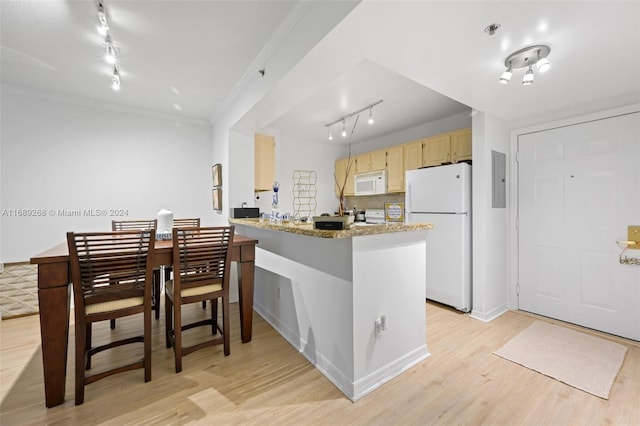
x=579, y=189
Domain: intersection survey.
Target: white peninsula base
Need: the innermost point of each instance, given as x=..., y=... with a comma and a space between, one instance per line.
x=325, y=295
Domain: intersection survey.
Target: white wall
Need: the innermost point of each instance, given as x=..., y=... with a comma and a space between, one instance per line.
x=62, y=154
x=490, y=291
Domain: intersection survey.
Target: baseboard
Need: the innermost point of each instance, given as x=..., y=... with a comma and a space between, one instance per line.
x=491, y=315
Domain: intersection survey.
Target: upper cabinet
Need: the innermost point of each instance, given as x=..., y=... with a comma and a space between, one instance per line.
x=395, y=169
x=436, y=150
x=461, y=146
x=371, y=161
x=340, y=172
x=264, y=158
x=413, y=155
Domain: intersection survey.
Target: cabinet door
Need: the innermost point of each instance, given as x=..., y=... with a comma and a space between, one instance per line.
x=413, y=155
x=378, y=160
x=340, y=173
x=265, y=155
x=395, y=169
x=461, y=145
x=436, y=150
x=363, y=163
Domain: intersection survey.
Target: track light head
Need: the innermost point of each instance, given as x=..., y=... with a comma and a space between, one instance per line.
x=344, y=129
x=103, y=24
x=115, y=78
x=506, y=75
x=371, y=120
x=528, y=77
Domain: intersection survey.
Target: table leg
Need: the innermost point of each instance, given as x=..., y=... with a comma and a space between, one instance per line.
x=246, y=272
x=53, y=304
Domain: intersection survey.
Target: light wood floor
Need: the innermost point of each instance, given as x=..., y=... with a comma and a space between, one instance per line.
x=267, y=382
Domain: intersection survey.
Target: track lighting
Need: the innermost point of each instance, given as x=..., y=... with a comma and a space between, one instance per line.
x=103, y=24
x=527, y=57
x=115, y=78
x=344, y=119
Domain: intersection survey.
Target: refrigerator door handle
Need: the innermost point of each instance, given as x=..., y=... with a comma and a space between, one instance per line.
x=407, y=197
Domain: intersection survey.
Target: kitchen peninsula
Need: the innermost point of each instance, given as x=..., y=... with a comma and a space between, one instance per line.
x=352, y=301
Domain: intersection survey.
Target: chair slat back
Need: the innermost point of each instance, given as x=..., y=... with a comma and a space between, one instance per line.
x=130, y=225
x=187, y=223
x=107, y=266
x=202, y=256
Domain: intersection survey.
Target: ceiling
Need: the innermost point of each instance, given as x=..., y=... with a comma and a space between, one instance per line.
x=425, y=59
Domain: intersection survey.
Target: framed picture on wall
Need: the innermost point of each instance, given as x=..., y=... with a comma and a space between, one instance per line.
x=216, y=171
x=217, y=198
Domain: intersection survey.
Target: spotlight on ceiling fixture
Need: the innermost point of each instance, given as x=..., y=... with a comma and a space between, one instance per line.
x=527, y=57
x=103, y=24
x=110, y=51
x=330, y=134
x=344, y=130
x=528, y=77
x=115, y=78
x=506, y=75
x=371, y=120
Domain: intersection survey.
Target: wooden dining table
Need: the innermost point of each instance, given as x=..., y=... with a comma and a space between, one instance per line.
x=54, y=304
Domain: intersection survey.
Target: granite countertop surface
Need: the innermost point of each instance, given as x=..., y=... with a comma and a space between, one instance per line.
x=354, y=230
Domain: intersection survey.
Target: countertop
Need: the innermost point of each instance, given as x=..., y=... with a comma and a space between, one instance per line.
x=354, y=230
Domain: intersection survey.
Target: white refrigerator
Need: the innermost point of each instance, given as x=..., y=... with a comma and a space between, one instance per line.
x=442, y=196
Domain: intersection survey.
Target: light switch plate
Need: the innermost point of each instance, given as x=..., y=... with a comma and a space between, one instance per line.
x=633, y=234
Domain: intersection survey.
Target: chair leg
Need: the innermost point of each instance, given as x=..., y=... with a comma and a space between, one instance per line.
x=168, y=316
x=214, y=316
x=80, y=359
x=147, y=343
x=204, y=304
x=225, y=325
x=156, y=292
x=177, y=341
x=87, y=342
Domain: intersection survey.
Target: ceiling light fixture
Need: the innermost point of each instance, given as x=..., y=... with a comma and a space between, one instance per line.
x=103, y=24
x=115, y=78
x=527, y=57
x=344, y=118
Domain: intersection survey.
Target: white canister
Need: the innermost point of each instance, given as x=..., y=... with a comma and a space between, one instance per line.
x=165, y=224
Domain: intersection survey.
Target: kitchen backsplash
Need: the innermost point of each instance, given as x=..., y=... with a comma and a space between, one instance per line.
x=373, y=201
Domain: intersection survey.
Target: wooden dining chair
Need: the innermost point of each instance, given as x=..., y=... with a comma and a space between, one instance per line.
x=111, y=274
x=201, y=265
x=187, y=223
x=130, y=225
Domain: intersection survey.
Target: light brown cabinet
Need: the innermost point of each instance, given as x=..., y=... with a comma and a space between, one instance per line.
x=436, y=150
x=413, y=155
x=395, y=169
x=461, y=146
x=264, y=162
x=340, y=173
x=371, y=161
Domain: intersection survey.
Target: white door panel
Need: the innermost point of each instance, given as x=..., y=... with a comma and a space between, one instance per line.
x=579, y=189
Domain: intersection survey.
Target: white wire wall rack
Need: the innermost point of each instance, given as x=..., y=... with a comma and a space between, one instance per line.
x=304, y=193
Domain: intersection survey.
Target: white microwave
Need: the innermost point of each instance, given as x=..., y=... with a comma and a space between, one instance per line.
x=371, y=183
